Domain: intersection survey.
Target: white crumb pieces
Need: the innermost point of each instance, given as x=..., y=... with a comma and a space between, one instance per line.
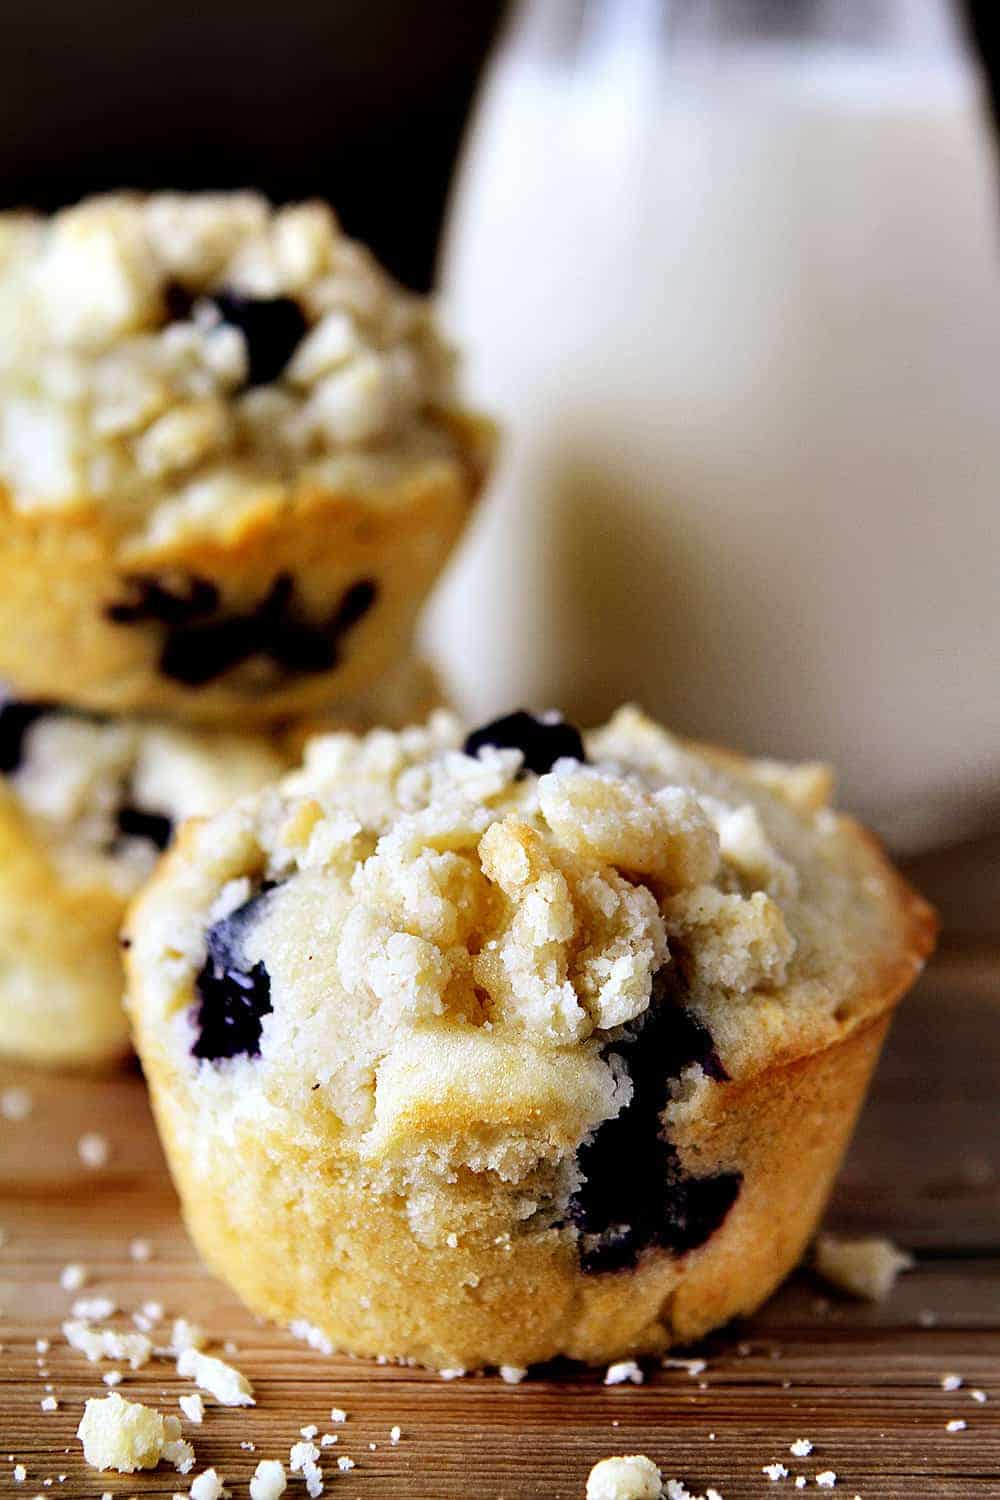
x=193, y=1407
x=226, y=1384
x=512, y=1374
x=800, y=1481
x=866, y=1268
x=621, y=1372
x=175, y=1450
x=186, y=1335
x=16, y=1104
x=979, y=1397
x=20, y=1473
x=49, y=1403
x=328, y=1439
x=73, y=1277
x=801, y=1448
x=775, y=1472
x=692, y=1366
x=338, y=1415
x=105, y=1343
x=453, y=1372
x=301, y=1454
x=112, y=1377
x=303, y=1459
x=93, y=1149
x=310, y=1431
x=311, y=1335
x=142, y=1250
x=957, y=1424
x=344, y=1463
x=826, y=1480
x=676, y=1490
x=631, y=1477
x=268, y=1481
x=395, y=1433
x=94, y=1309
x=207, y=1486
x=120, y=1434
x=951, y=1382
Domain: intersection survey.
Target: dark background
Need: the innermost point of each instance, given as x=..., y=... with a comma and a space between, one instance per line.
x=359, y=101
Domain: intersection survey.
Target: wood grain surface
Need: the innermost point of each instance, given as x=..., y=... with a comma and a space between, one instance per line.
x=862, y=1382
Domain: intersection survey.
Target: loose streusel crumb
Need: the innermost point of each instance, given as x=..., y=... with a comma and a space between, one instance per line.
x=801, y=1448
x=827, y=1480
x=512, y=1374
x=957, y=1424
x=624, y=1370
x=193, y=1407
x=226, y=1384
x=49, y=1403
x=775, y=1472
x=338, y=1415
x=73, y=1277
x=631, y=1477
x=120, y=1434
x=107, y=1343
x=866, y=1268
x=207, y=1486
x=269, y=1481
x=112, y=1377
x=951, y=1382
x=16, y=1104
x=93, y=1149
x=186, y=1335
x=94, y=1309
x=344, y=1463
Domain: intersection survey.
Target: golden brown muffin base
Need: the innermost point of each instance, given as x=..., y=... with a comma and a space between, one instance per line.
x=61, y=570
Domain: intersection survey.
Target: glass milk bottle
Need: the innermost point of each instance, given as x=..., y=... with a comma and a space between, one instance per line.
x=729, y=274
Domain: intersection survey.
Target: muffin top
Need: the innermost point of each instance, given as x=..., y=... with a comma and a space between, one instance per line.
x=448, y=945
x=184, y=345
x=103, y=796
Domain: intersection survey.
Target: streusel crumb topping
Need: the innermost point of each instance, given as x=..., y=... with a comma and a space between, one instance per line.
x=179, y=345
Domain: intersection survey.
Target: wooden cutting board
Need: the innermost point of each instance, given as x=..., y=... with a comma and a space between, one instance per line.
x=862, y=1382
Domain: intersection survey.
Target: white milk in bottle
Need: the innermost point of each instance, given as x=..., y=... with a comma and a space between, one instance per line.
x=729, y=273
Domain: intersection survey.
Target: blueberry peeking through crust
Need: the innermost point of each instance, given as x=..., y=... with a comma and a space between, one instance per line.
x=134, y=823
x=200, y=643
x=542, y=741
x=272, y=327
x=635, y=1194
x=15, y=721
x=233, y=997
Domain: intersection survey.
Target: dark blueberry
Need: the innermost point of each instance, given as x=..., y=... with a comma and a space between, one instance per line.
x=273, y=328
x=153, y=600
x=178, y=302
x=274, y=629
x=541, y=741
x=133, y=823
x=233, y=997
x=15, y=721
x=635, y=1194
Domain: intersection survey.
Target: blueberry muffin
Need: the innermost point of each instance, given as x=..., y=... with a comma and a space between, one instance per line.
x=231, y=457
x=527, y=1043
x=86, y=807
x=87, y=804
